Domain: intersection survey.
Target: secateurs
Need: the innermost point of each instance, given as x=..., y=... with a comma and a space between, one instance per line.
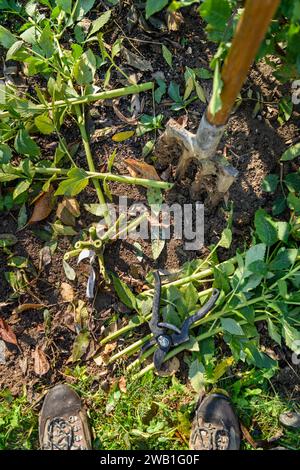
x=164, y=340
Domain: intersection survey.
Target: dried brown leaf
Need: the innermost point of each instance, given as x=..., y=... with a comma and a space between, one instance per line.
x=132, y=120
x=24, y=307
x=43, y=207
x=67, y=292
x=122, y=384
x=141, y=169
x=174, y=20
x=41, y=363
x=6, y=333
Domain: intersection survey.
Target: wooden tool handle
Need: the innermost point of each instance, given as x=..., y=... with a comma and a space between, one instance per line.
x=249, y=35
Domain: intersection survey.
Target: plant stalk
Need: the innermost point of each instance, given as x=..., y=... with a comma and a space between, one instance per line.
x=104, y=95
x=110, y=177
x=90, y=161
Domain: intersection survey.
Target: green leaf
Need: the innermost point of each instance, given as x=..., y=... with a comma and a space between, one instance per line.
x=18, y=262
x=254, y=254
x=83, y=7
x=294, y=203
x=7, y=39
x=174, y=92
x=284, y=259
x=265, y=228
x=96, y=209
x=80, y=345
x=22, y=217
x=291, y=336
x=293, y=182
x=279, y=205
x=216, y=13
x=100, y=22
x=270, y=183
x=273, y=332
x=46, y=42
x=232, y=326
x=14, y=49
x=21, y=188
x=226, y=238
x=216, y=102
x=25, y=145
x=5, y=154
x=124, y=293
x=283, y=230
x=291, y=153
x=200, y=92
x=75, y=183
x=157, y=246
x=7, y=239
x=259, y=359
x=258, y=267
x=65, y=5
x=60, y=229
x=160, y=91
x=167, y=55
x=197, y=375
x=202, y=73
x=85, y=68
x=44, y=124
x=69, y=271
x=153, y=6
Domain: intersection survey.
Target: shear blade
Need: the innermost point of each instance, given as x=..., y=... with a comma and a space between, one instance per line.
x=158, y=358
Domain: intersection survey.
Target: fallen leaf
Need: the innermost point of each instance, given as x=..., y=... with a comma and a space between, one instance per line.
x=122, y=384
x=2, y=352
x=73, y=206
x=81, y=315
x=43, y=206
x=141, y=169
x=23, y=363
x=108, y=349
x=121, y=136
x=69, y=271
x=136, y=62
x=174, y=20
x=7, y=334
x=80, y=345
x=45, y=257
x=67, y=211
x=41, y=363
x=122, y=117
x=67, y=292
x=25, y=307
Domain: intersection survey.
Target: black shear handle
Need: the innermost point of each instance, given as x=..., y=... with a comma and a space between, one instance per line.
x=184, y=336
x=203, y=310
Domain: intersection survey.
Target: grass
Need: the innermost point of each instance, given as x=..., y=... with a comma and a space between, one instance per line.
x=154, y=413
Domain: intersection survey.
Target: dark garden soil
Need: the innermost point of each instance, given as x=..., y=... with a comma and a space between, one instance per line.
x=253, y=145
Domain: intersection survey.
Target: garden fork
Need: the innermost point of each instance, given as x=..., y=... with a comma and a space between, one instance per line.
x=202, y=146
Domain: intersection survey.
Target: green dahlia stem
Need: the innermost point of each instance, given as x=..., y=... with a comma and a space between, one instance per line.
x=110, y=177
x=90, y=161
x=104, y=95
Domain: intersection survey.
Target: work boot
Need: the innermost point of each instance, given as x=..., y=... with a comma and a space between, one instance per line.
x=63, y=423
x=215, y=426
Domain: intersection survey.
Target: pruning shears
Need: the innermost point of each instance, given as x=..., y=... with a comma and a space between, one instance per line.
x=160, y=330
